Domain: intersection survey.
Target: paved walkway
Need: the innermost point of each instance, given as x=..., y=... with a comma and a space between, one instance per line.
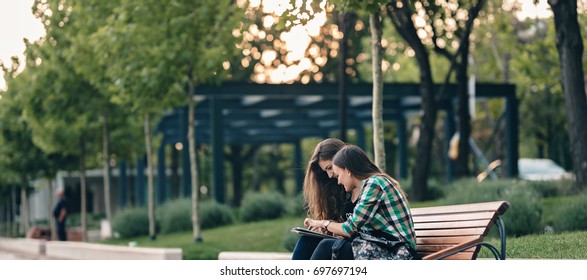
x=4, y=255
x=11, y=255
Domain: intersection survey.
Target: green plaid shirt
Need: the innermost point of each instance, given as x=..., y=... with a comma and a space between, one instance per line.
x=381, y=207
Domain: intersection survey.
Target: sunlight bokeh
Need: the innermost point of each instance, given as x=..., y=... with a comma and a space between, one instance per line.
x=529, y=9
x=295, y=42
x=300, y=54
x=17, y=23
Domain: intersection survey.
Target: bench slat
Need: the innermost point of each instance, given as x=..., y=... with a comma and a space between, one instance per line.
x=453, y=217
x=452, y=225
x=436, y=248
x=495, y=206
x=450, y=232
x=457, y=256
x=444, y=240
x=453, y=249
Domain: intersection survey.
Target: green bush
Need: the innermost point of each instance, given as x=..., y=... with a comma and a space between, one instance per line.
x=525, y=212
x=469, y=191
x=93, y=220
x=573, y=216
x=131, y=222
x=555, y=188
x=435, y=189
x=434, y=192
x=262, y=206
x=214, y=214
x=176, y=215
x=523, y=217
x=545, y=188
x=566, y=187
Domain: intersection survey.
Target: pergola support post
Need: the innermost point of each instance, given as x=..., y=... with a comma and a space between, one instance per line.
x=217, y=142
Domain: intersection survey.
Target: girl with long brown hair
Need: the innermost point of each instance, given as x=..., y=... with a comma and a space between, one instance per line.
x=382, y=210
x=324, y=198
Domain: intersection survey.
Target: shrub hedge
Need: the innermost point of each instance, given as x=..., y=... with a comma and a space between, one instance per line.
x=131, y=222
x=573, y=216
x=214, y=214
x=262, y=206
x=525, y=212
x=176, y=215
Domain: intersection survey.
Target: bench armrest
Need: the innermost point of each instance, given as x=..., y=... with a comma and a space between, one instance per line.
x=452, y=250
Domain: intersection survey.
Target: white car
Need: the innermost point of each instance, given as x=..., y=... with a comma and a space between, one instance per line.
x=541, y=169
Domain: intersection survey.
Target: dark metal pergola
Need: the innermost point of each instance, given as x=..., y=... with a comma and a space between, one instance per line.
x=246, y=113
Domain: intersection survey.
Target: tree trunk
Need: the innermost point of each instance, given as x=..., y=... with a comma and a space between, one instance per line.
x=276, y=156
x=421, y=170
x=570, y=48
x=400, y=16
x=15, y=222
x=3, y=220
x=539, y=145
x=130, y=191
x=237, y=159
x=343, y=23
x=106, y=170
x=256, y=181
x=24, y=206
x=378, y=132
x=50, y=209
x=9, y=216
x=83, y=191
x=193, y=162
x=237, y=173
x=150, y=186
x=175, y=185
x=462, y=163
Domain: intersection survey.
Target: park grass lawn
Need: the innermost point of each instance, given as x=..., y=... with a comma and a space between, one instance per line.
x=268, y=236
x=262, y=236
x=560, y=246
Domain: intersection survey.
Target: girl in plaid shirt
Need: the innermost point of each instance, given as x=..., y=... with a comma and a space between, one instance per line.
x=382, y=205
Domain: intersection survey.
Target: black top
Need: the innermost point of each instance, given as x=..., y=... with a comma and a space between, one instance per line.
x=61, y=204
x=348, y=207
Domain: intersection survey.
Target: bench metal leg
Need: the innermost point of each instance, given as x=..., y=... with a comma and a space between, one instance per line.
x=498, y=254
x=501, y=228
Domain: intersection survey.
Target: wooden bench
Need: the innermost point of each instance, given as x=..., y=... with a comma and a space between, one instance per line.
x=452, y=232
x=457, y=231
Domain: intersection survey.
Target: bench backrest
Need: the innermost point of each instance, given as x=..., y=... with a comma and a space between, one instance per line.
x=440, y=227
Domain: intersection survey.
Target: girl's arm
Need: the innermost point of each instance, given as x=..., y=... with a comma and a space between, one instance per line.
x=328, y=225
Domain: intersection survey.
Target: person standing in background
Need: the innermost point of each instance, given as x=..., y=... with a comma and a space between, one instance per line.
x=60, y=215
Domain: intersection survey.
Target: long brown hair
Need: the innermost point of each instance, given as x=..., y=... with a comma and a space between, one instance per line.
x=323, y=196
x=356, y=161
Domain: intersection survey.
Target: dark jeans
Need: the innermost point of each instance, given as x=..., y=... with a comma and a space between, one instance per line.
x=315, y=248
x=324, y=250
x=305, y=247
x=61, y=232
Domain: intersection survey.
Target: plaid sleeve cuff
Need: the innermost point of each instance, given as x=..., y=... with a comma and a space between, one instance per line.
x=346, y=227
